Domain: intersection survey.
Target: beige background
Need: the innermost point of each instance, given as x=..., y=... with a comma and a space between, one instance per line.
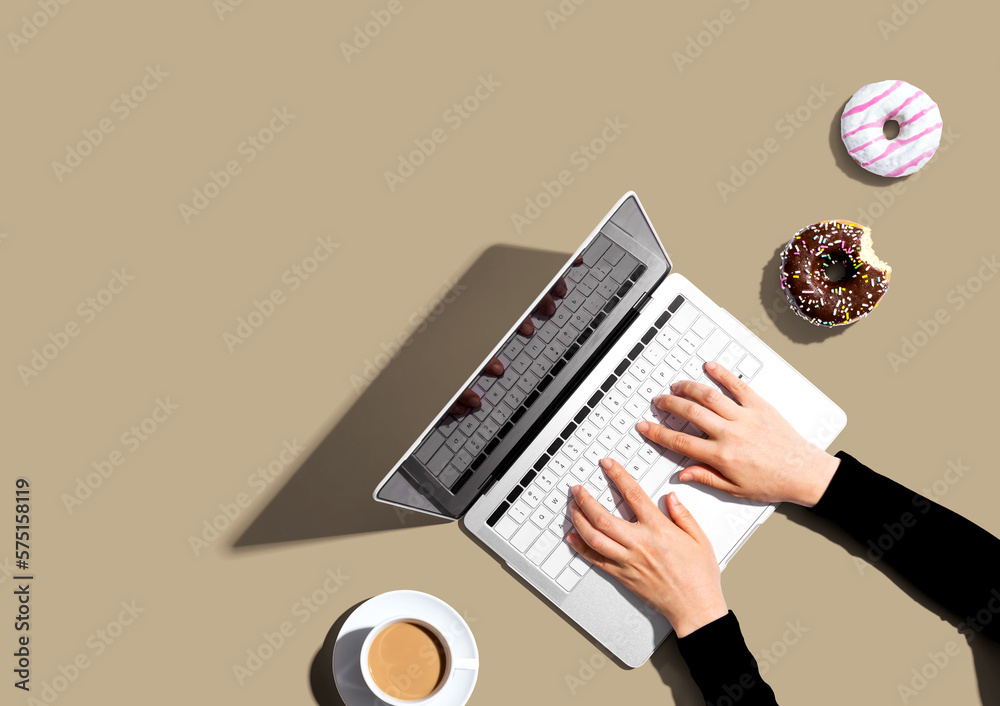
x=291, y=381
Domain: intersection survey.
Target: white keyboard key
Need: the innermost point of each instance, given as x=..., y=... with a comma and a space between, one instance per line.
x=535, y=347
x=641, y=368
x=559, y=559
x=546, y=480
x=626, y=448
x=562, y=525
x=524, y=536
x=694, y=431
x=595, y=453
x=635, y=406
x=654, y=352
x=636, y=468
x=662, y=374
x=667, y=337
x=559, y=464
x=736, y=350
x=689, y=343
x=556, y=501
x=567, y=336
x=675, y=359
x=581, y=469
x=542, y=516
x=703, y=326
x=614, y=400
x=713, y=346
x=587, y=432
x=564, y=485
x=572, y=448
x=599, y=416
x=652, y=481
x=545, y=543
x=648, y=452
x=683, y=317
x=505, y=527
x=607, y=499
x=693, y=368
x=579, y=564
x=624, y=420
x=627, y=385
x=609, y=438
x=519, y=511
x=674, y=422
x=649, y=389
x=532, y=496
x=728, y=359
x=749, y=366
x=595, y=491
x=568, y=579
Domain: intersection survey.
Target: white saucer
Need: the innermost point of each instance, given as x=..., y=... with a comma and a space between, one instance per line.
x=411, y=604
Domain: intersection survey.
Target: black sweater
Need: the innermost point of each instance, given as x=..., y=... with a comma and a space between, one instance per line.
x=952, y=560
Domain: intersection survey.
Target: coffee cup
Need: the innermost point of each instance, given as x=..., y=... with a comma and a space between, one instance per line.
x=407, y=661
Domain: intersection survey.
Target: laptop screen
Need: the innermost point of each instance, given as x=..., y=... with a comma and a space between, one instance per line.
x=547, y=348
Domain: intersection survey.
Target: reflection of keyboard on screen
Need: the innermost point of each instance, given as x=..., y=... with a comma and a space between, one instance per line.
x=458, y=445
x=533, y=516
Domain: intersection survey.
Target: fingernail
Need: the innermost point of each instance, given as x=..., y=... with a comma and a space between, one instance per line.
x=673, y=498
x=710, y=365
x=576, y=490
x=656, y=400
x=607, y=463
x=675, y=386
x=642, y=427
x=687, y=476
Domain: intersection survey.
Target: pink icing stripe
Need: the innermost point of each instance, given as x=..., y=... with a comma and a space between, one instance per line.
x=858, y=149
x=899, y=143
x=918, y=160
x=919, y=115
x=877, y=123
x=873, y=101
x=905, y=103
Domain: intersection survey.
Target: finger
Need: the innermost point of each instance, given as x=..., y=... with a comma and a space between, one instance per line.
x=527, y=327
x=494, y=367
x=743, y=393
x=589, y=553
x=559, y=288
x=710, y=477
x=683, y=518
x=466, y=401
x=594, y=531
x=691, y=411
x=546, y=307
x=681, y=442
x=707, y=396
x=633, y=493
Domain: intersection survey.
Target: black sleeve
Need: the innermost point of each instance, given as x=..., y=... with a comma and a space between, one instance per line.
x=722, y=666
x=952, y=560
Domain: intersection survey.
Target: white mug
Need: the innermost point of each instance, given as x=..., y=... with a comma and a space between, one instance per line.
x=452, y=663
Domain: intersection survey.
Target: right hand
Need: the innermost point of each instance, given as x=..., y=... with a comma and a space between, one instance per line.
x=751, y=451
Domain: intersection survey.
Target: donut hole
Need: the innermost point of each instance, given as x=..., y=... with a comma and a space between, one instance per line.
x=891, y=129
x=836, y=272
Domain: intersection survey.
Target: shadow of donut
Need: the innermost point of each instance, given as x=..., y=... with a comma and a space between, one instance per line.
x=847, y=164
x=780, y=314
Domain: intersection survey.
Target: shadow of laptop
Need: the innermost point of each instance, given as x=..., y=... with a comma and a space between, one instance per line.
x=401, y=389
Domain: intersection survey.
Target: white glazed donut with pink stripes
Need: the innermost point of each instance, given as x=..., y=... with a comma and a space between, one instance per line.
x=871, y=108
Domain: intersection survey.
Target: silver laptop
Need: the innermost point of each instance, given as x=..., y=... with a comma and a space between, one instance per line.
x=623, y=329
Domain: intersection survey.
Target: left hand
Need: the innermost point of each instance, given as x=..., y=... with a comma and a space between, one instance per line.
x=668, y=562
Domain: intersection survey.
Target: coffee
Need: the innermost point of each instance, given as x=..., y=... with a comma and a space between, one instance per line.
x=407, y=661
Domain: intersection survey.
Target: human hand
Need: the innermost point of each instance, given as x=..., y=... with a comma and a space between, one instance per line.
x=668, y=562
x=470, y=399
x=751, y=451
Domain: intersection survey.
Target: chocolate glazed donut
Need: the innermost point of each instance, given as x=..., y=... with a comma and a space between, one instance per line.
x=809, y=256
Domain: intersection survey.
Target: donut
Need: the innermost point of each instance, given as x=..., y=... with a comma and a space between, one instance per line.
x=812, y=294
x=871, y=108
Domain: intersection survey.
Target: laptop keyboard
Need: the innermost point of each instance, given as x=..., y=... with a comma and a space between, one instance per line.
x=459, y=444
x=533, y=517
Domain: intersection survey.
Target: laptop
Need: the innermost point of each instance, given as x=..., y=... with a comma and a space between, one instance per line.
x=624, y=327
